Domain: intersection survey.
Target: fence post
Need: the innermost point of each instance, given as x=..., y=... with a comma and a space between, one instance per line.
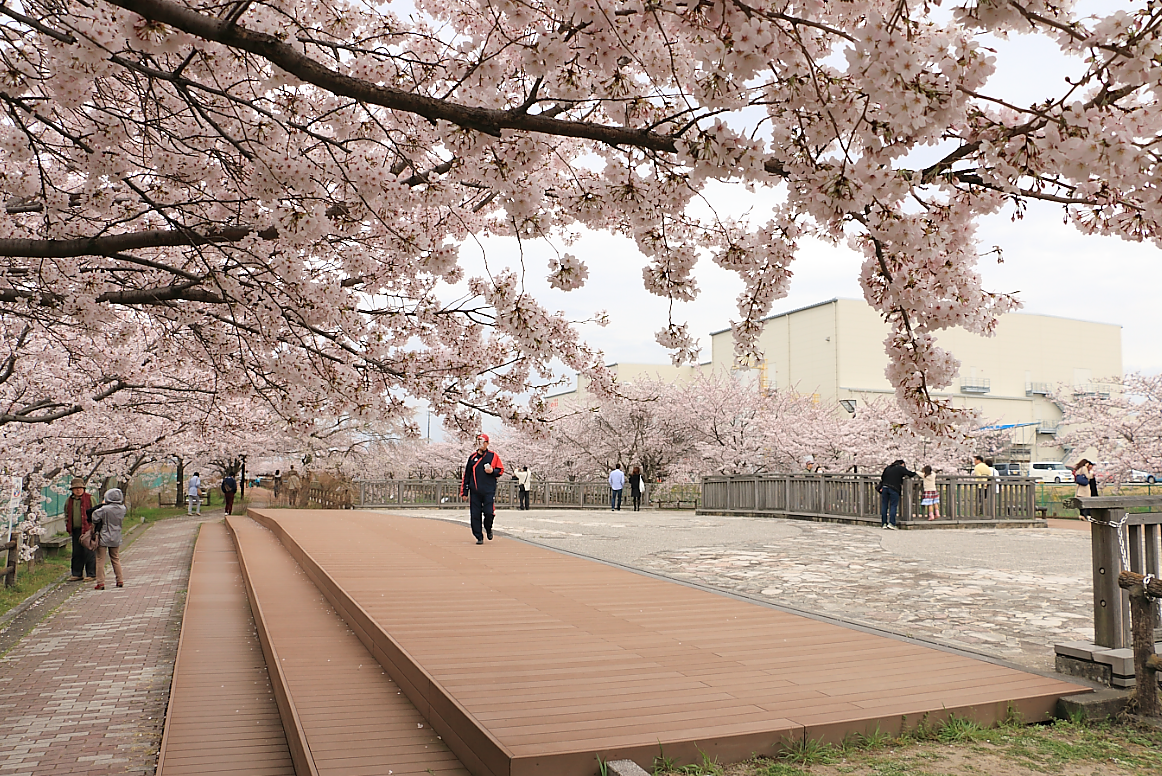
x=1152, y=565
x=1107, y=595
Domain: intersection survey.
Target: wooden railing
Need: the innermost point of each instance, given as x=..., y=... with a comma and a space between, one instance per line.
x=854, y=497
x=1119, y=537
x=445, y=494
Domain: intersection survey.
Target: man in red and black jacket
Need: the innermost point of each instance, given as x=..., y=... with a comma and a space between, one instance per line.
x=478, y=485
x=78, y=511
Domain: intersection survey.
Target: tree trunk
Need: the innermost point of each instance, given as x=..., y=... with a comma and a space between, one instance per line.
x=181, y=475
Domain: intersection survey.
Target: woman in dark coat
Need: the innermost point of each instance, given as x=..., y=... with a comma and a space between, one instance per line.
x=635, y=487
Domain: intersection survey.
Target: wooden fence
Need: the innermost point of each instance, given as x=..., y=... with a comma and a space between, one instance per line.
x=446, y=494
x=853, y=497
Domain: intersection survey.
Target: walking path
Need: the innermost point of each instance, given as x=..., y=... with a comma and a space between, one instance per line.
x=1007, y=593
x=85, y=692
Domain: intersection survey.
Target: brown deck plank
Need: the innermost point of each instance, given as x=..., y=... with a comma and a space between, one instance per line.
x=547, y=659
x=333, y=682
x=220, y=690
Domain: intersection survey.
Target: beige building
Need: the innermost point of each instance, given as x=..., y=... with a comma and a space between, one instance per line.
x=627, y=373
x=835, y=350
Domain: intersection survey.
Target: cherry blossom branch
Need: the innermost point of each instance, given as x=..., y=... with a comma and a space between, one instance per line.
x=487, y=120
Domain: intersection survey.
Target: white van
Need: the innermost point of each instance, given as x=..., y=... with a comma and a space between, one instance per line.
x=1050, y=471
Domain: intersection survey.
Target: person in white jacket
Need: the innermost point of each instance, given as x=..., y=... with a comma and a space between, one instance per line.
x=194, y=495
x=524, y=486
x=616, y=485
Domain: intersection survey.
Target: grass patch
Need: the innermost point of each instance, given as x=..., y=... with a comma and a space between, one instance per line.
x=961, y=747
x=43, y=573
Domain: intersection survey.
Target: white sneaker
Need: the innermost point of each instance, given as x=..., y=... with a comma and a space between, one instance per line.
x=890, y=527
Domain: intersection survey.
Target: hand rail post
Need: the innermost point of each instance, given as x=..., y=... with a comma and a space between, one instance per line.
x=1107, y=595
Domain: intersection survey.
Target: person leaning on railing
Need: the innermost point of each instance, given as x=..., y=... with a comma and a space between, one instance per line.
x=890, y=486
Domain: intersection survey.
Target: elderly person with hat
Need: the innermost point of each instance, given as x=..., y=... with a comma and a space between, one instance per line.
x=77, y=508
x=108, y=518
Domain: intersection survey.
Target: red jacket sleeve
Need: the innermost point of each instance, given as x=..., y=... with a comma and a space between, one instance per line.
x=497, y=465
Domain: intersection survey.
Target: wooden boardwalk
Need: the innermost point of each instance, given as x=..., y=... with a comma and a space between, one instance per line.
x=222, y=716
x=527, y=661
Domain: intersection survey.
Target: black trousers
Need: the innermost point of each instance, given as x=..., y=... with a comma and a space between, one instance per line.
x=637, y=500
x=524, y=498
x=481, y=509
x=84, y=563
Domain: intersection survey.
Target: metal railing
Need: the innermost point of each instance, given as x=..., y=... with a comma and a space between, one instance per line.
x=854, y=497
x=445, y=494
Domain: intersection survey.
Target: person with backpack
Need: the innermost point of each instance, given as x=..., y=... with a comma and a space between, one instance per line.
x=229, y=488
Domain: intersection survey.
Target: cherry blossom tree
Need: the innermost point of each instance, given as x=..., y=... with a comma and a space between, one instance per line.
x=1122, y=424
x=284, y=185
x=728, y=424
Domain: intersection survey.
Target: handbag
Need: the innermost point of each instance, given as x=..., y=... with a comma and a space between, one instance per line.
x=89, y=539
x=1081, y=479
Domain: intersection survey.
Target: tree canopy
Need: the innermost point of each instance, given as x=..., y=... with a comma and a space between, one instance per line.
x=281, y=188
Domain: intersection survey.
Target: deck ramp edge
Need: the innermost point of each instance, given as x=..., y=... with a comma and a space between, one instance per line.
x=348, y=716
x=292, y=725
x=466, y=737
x=173, y=757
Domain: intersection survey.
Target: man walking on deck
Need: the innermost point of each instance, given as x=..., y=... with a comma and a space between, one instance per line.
x=478, y=485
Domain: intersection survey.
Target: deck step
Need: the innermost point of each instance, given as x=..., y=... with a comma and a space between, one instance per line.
x=343, y=714
x=534, y=663
x=222, y=716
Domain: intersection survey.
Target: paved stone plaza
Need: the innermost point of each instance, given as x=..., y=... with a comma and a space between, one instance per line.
x=1008, y=593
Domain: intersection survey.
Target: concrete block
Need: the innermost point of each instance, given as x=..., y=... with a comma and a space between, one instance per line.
x=1120, y=661
x=1084, y=669
x=1082, y=650
x=1095, y=706
x=1127, y=682
x=624, y=768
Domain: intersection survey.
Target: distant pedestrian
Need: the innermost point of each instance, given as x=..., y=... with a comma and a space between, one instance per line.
x=616, y=485
x=478, y=485
x=277, y=483
x=293, y=484
x=229, y=488
x=931, y=498
x=982, y=470
x=890, y=487
x=524, y=485
x=635, y=487
x=194, y=495
x=108, y=518
x=1083, y=478
x=78, y=506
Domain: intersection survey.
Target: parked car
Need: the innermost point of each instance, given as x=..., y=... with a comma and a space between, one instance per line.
x=1137, y=475
x=1050, y=471
x=1008, y=469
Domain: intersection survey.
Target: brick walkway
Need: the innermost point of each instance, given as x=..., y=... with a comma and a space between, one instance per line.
x=85, y=692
